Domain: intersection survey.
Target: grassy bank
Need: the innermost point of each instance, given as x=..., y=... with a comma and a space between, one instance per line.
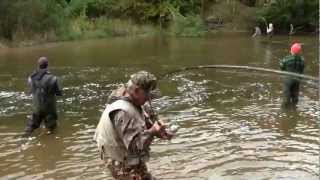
x=85, y=28
x=82, y=28
x=29, y=22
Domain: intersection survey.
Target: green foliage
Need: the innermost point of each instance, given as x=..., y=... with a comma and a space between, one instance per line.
x=84, y=28
x=139, y=10
x=29, y=17
x=8, y=20
x=91, y=8
x=249, y=2
x=71, y=19
x=300, y=13
x=188, y=26
x=74, y=19
x=78, y=19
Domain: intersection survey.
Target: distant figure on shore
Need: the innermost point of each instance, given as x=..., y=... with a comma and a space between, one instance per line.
x=291, y=30
x=44, y=88
x=257, y=32
x=270, y=30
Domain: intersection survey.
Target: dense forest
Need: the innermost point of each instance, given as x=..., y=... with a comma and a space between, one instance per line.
x=77, y=19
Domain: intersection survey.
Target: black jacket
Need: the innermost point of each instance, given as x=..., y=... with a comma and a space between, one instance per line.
x=44, y=89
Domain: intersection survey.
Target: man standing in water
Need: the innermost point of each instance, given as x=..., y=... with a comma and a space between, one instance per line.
x=124, y=133
x=257, y=32
x=44, y=88
x=270, y=30
x=293, y=63
x=149, y=111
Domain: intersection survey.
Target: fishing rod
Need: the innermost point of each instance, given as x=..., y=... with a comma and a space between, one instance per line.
x=265, y=21
x=313, y=80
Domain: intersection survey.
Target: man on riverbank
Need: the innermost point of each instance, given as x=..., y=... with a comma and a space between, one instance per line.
x=124, y=133
x=292, y=63
x=44, y=88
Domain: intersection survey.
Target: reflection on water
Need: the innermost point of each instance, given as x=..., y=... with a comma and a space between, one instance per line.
x=231, y=123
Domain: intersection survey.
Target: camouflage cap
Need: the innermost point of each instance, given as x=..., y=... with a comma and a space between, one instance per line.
x=144, y=80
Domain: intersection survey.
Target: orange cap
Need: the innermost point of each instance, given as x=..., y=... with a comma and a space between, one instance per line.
x=295, y=48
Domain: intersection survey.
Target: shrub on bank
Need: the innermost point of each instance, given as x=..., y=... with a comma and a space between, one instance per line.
x=86, y=28
x=24, y=19
x=188, y=26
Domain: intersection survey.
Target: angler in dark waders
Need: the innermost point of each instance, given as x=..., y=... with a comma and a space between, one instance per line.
x=44, y=88
x=292, y=63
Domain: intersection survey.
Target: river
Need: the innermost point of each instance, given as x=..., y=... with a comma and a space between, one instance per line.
x=231, y=123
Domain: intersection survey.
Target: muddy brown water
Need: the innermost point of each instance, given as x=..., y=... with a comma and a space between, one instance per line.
x=231, y=123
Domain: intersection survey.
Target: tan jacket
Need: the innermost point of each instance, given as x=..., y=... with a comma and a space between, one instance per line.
x=110, y=142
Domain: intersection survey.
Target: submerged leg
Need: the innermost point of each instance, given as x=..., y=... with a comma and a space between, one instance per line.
x=295, y=93
x=51, y=122
x=33, y=123
x=286, y=95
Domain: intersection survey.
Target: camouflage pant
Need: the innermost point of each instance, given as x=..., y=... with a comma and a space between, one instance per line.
x=120, y=172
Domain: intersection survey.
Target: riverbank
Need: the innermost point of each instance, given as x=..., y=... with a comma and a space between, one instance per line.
x=214, y=17
x=220, y=16
x=83, y=29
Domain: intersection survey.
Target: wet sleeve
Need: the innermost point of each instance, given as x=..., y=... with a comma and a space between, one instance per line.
x=134, y=136
x=57, y=88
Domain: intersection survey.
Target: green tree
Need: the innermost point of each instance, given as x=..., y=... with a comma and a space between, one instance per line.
x=8, y=20
x=303, y=14
x=30, y=17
